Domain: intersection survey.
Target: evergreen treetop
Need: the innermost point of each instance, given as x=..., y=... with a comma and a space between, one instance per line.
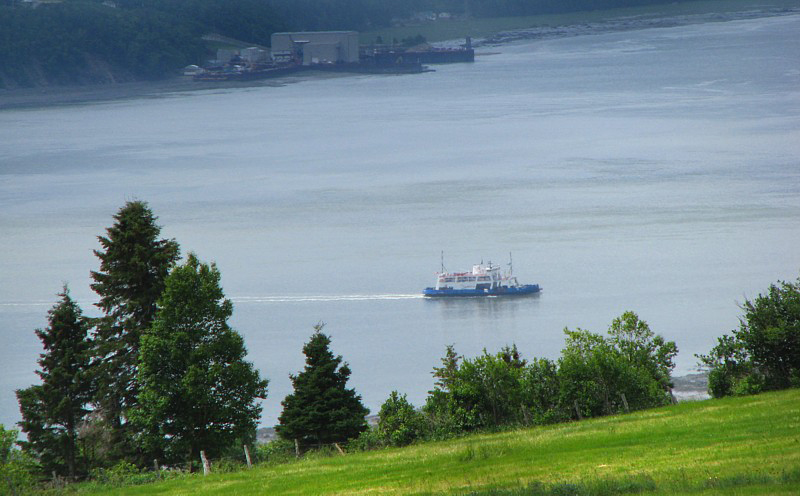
x=133, y=266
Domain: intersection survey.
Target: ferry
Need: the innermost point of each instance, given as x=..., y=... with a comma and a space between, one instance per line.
x=483, y=280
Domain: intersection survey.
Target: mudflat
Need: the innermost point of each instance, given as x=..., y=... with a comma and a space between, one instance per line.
x=80, y=94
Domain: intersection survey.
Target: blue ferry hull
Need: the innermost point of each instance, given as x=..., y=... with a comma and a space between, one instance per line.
x=526, y=289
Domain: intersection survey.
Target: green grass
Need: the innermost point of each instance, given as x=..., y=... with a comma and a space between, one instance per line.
x=481, y=28
x=747, y=445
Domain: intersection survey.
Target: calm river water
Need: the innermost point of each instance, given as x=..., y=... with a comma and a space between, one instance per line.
x=654, y=170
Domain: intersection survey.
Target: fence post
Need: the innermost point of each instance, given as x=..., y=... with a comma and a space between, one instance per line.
x=206, y=463
x=155, y=464
x=296, y=448
x=247, y=455
x=625, y=402
x=578, y=410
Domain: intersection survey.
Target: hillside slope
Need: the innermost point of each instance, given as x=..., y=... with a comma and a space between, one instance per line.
x=745, y=445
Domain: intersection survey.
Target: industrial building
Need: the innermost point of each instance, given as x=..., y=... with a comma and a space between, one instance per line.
x=319, y=47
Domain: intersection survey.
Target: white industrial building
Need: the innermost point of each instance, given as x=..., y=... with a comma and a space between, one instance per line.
x=316, y=47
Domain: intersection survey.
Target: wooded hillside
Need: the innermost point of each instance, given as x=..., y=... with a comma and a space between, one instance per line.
x=89, y=41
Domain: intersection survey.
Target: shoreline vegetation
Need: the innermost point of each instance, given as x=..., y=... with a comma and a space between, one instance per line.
x=689, y=387
x=486, y=32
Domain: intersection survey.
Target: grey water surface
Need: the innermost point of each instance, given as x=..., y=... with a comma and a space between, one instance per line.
x=654, y=170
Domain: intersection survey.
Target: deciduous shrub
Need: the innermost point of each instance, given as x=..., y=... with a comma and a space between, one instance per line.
x=17, y=469
x=764, y=353
x=400, y=424
x=274, y=452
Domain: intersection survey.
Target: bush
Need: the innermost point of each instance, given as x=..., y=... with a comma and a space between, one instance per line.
x=753, y=383
x=400, y=424
x=446, y=418
x=17, y=469
x=227, y=465
x=764, y=353
x=370, y=439
x=483, y=392
x=122, y=474
x=275, y=452
x=596, y=371
x=540, y=391
x=770, y=332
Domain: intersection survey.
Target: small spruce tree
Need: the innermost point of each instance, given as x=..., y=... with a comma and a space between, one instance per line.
x=321, y=410
x=52, y=411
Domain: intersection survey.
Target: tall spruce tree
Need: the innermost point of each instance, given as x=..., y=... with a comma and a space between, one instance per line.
x=133, y=265
x=52, y=411
x=196, y=391
x=322, y=410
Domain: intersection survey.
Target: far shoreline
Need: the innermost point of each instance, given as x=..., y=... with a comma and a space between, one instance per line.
x=50, y=96
x=611, y=21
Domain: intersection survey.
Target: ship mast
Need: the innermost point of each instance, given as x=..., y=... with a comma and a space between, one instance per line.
x=510, y=265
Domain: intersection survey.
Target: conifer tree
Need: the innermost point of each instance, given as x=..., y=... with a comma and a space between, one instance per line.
x=196, y=391
x=445, y=375
x=133, y=265
x=53, y=410
x=322, y=410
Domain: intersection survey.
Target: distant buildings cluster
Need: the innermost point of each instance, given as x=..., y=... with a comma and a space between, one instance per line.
x=322, y=50
x=319, y=47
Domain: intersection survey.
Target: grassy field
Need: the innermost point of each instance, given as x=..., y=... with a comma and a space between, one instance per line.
x=481, y=28
x=737, y=446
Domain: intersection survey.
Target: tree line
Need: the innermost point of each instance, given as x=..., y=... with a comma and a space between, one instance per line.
x=160, y=376
x=87, y=42
x=91, y=41
x=627, y=369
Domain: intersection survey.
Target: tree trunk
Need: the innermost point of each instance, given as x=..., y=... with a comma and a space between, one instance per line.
x=625, y=402
x=71, y=452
